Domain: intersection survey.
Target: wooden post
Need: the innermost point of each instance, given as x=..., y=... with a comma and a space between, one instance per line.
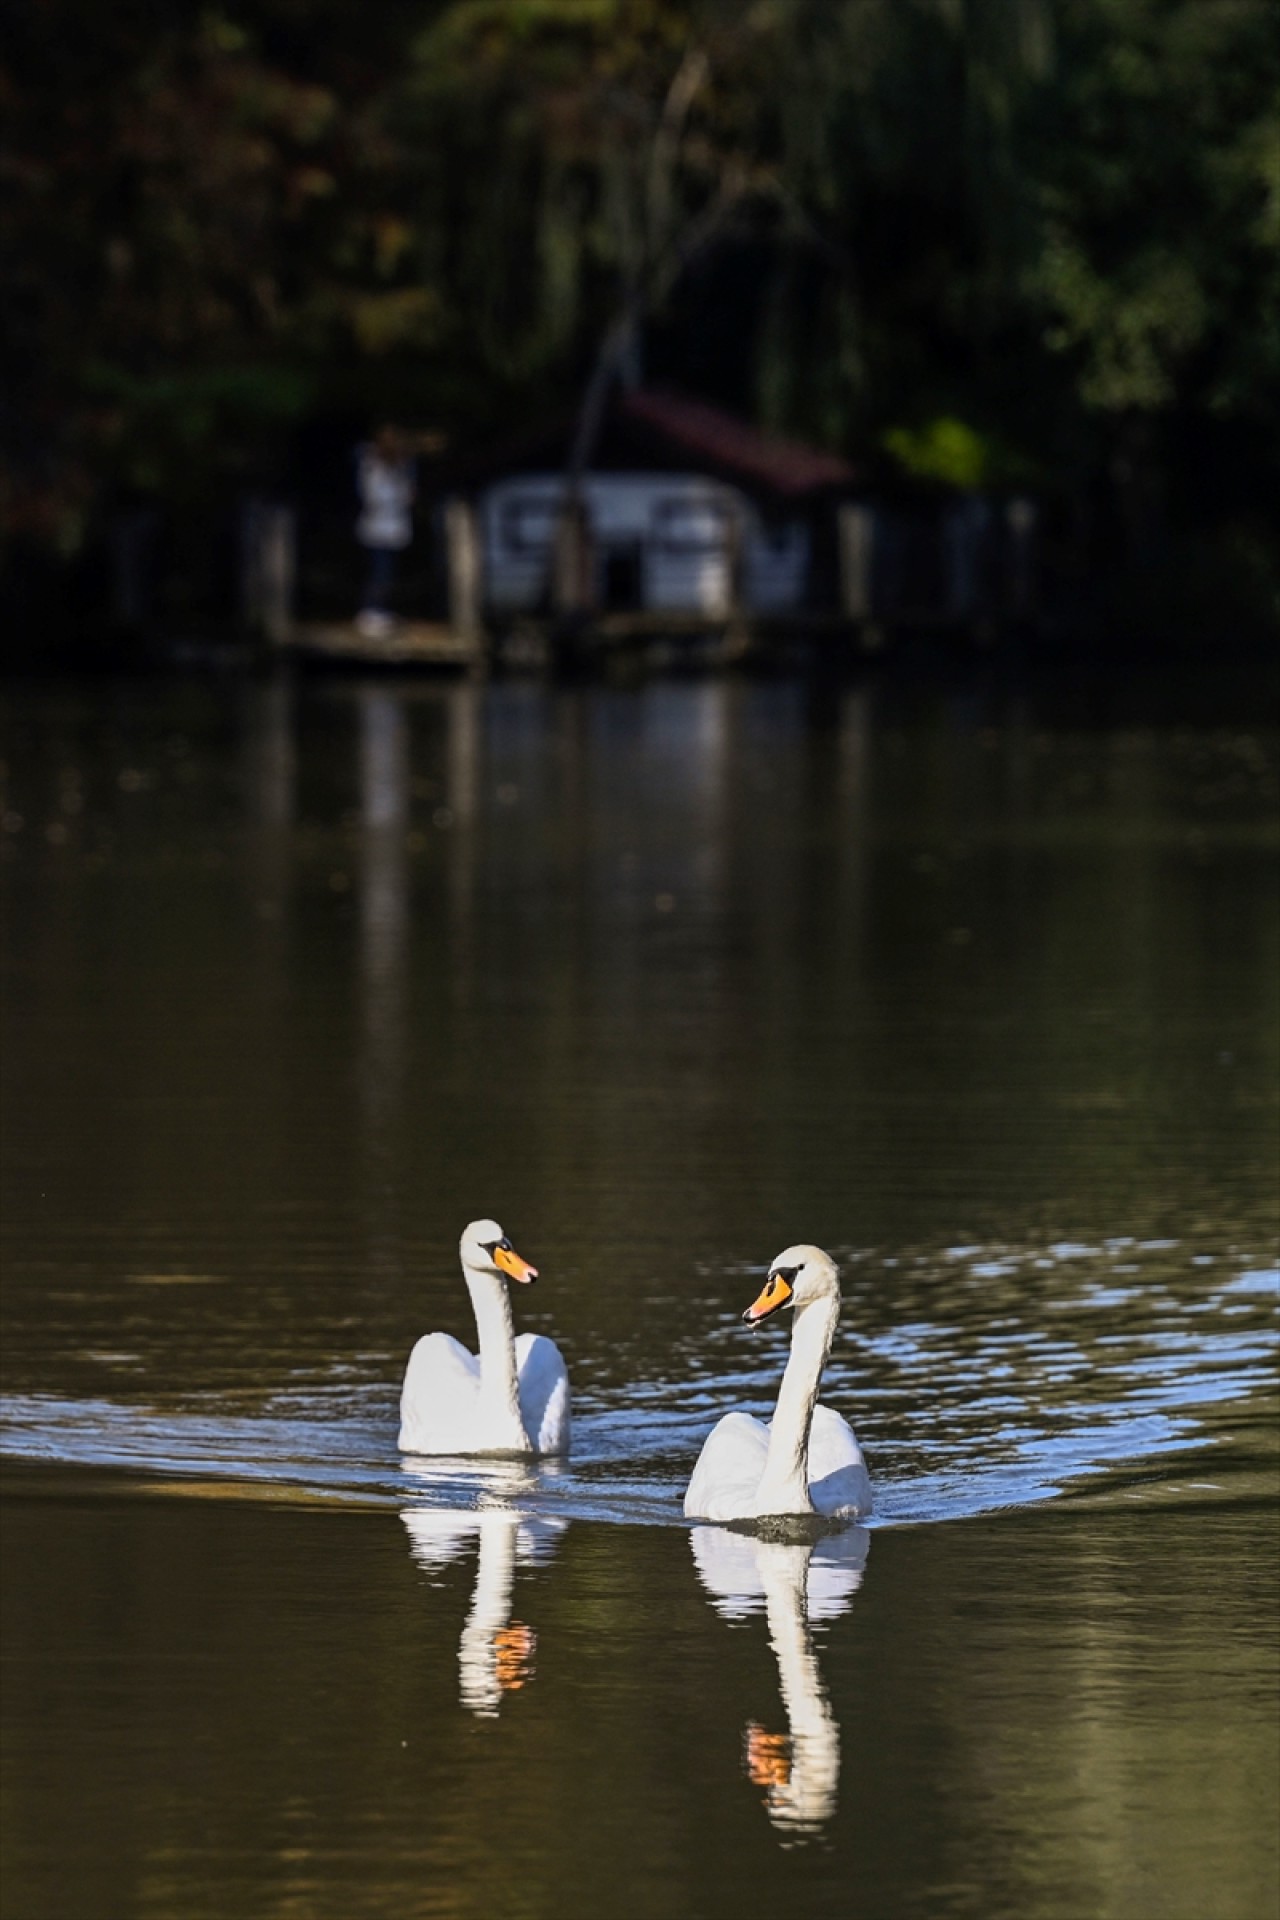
x=279, y=573
x=250, y=569
x=268, y=569
x=855, y=541
x=964, y=531
x=464, y=569
x=1020, y=520
x=573, y=584
x=737, y=631
x=133, y=541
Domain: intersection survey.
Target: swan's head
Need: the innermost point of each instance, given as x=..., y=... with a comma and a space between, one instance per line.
x=486, y=1248
x=796, y=1278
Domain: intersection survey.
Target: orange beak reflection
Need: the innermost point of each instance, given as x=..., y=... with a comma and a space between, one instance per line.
x=768, y=1757
x=775, y=1293
x=513, y=1648
x=513, y=1266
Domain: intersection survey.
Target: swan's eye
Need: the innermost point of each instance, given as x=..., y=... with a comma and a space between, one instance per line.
x=504, y=1244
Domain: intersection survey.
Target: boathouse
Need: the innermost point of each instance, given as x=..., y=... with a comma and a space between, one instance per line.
x=686, y=514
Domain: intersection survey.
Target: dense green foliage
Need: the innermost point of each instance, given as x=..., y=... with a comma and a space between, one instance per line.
x=1004, y=240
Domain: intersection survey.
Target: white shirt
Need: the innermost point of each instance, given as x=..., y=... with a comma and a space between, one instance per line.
x=386, y=489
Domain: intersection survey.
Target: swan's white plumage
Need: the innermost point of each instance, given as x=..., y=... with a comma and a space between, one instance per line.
x=511, y=1397
x=544, y=1392
x=807, y=1459
x=731, y=1466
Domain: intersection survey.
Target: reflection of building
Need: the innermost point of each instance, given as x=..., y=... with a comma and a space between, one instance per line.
x=797, y=1584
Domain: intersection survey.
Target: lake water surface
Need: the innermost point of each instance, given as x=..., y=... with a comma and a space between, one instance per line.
x=979, y=990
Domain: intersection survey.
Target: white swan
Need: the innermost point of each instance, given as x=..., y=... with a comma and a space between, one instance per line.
x=806, y=1461
x=513, y=1397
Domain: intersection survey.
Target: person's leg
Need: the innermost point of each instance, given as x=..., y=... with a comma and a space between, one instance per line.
x=377, y=591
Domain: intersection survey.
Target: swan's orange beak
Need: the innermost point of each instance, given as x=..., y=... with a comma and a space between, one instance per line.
x=513, y=1266
x=775, y=1293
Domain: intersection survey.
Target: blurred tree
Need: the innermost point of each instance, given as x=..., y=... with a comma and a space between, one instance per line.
x=1014, y=239
x=1156, y=268
x=195, y=222
x=575, y=156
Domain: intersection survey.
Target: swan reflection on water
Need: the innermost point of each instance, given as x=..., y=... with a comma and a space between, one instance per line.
x=495, y=1653
x=797, y=1583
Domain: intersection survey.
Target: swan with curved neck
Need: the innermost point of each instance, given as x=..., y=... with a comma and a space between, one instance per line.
x=510, y=1397
x=807, y=1460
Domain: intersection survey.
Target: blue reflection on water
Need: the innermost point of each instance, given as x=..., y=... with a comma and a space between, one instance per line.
x=1071, y=1408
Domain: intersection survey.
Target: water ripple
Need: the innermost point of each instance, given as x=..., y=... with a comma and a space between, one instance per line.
x=1040, y=1380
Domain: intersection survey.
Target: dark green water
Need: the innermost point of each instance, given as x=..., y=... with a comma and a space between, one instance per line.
x=982, y=996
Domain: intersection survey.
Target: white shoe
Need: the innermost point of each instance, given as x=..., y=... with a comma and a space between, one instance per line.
x=372, y=624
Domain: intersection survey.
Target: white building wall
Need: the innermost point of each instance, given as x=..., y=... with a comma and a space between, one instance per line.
x=688, y=533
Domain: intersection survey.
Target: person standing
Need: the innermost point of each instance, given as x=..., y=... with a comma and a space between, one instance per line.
x=387, y=485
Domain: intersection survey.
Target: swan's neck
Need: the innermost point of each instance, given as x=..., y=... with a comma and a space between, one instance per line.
x=499, y=1385
x=784, y=1485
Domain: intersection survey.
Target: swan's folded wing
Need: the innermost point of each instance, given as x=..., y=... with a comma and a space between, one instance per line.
x=437, y=1401
x=724, y=1482
x=544, y=1392
x=838, y=1477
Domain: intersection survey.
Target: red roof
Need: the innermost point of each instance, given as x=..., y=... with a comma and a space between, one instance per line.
x=786, y=466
